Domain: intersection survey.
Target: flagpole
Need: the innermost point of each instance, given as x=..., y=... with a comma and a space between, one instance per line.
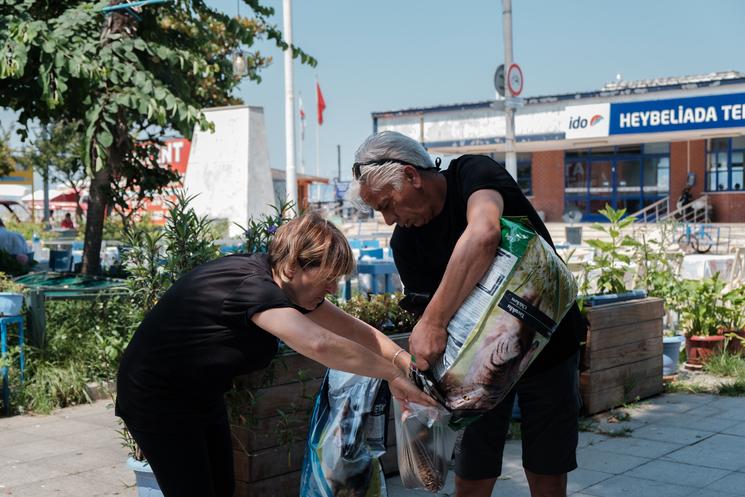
x=290, y=178
x=318, y=160
x=302, y=134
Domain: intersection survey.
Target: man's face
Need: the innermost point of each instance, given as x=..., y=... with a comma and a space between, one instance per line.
x=408, y=207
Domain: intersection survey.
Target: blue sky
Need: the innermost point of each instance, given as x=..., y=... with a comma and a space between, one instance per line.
x=386, y=55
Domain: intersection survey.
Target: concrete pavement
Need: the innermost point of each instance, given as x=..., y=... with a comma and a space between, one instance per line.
x=675, y=445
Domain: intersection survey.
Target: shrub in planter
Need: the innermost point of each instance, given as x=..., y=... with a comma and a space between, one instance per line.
x=706, y=315
x=622, y=356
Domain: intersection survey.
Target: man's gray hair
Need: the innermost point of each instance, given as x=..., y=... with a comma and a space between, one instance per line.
x=382, y=158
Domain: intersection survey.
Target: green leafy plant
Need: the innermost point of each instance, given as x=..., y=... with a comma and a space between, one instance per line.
x=260, y=231
x=612, y=258
x=380, y=311
x=8, y=285
x=702, y=306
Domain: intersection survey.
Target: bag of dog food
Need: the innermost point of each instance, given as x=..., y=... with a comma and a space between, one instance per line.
x=504, y=322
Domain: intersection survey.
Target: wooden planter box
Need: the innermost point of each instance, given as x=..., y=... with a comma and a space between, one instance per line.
x=622, y=358
x=276, y=404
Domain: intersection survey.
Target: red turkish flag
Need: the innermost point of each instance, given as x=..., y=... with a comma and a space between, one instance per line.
x=321, y=103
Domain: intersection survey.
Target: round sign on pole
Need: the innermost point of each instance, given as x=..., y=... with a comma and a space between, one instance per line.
x=515, y=80
x=499, y=80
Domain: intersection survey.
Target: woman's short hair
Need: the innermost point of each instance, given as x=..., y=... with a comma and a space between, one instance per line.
x=309, y=241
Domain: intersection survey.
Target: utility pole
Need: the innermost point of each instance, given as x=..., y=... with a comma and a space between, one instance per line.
x=509, y=110
x=290, y=176
x=338, y=162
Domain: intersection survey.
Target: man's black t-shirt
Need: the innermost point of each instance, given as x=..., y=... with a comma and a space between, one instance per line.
x=196, y=339
x=422, y=253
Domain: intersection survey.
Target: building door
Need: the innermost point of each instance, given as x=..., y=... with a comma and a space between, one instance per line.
x=627, y=177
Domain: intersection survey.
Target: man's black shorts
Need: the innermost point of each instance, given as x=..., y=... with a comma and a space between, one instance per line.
x=549, y=409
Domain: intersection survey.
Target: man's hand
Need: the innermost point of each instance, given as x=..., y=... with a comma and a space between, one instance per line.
x=427, y=343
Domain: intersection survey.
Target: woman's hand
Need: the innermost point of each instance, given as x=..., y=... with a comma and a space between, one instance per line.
x=405, y=391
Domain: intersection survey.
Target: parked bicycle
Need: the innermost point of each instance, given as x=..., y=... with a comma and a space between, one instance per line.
x=700, y=241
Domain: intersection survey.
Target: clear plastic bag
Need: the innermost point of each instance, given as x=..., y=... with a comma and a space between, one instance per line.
x=424, y=444
x=345, y=438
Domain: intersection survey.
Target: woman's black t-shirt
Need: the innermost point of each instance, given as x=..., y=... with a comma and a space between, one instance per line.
x=422, y=253
x=196, y=339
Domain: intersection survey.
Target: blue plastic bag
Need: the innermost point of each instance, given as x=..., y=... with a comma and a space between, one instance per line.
x=346, y=437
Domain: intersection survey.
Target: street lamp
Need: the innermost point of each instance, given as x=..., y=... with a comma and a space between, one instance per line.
x=240, y=66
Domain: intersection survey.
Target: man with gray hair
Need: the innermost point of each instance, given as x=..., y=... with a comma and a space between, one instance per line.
x=446, y=237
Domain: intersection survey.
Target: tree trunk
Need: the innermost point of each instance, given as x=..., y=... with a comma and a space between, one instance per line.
x=97, y=205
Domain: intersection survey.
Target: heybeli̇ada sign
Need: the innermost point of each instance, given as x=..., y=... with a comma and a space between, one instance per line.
x=654, y=116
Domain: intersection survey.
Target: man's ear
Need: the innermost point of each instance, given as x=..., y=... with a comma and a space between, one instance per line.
x=411, y=174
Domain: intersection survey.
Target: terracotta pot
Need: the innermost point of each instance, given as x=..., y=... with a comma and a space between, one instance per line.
x=736, y=346
x=700, y=348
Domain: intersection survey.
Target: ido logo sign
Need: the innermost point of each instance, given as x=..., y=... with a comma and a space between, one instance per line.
x=586, y=121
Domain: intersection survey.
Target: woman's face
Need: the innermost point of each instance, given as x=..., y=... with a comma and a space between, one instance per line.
x=306, y=288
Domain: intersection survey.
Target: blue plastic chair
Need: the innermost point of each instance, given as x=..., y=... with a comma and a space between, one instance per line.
x=375, y=253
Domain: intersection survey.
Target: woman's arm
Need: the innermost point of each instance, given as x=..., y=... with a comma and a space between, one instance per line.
x=339, y=322
x=334, y=351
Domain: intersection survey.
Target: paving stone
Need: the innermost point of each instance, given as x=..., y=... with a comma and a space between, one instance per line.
x=637, y=447
x=706, y=492
x=94, y=438
x=736, y=429
x=664, y=433
x=624, y=486
x=9, y=438
x=589, y=439
x=708, y=456
x=581, y=478
x=710, y=423
x=736, y=413
x=677, y=473
x=65, y=486
x=35, y=450
x=13, y=475
x=55, y=427
x=607, y=462
x=733, y=483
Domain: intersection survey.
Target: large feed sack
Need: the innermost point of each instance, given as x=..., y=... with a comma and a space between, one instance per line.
x=504, y=322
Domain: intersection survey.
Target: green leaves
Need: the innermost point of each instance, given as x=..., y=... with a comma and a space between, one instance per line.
x=608, y=269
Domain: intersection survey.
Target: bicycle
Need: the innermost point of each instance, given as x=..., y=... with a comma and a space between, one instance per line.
x=700, y=243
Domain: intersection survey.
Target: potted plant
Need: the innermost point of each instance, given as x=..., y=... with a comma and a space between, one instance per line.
x=704, y=318
x=11, y=296
x=657, y=272
x=147, y=485
x=622, y=354
x=734, y=322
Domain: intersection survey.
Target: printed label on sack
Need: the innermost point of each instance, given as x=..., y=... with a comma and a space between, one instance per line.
x=527, y=313
x=473, y=307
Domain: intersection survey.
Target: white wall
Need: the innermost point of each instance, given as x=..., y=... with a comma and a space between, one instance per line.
x=229, y=169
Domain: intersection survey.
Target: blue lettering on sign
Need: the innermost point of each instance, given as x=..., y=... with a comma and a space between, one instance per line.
x=716, y=111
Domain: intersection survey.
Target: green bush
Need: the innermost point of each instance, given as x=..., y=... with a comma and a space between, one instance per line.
x=380, y=311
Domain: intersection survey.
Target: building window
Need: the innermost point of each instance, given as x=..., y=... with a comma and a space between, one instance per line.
x=524, y=167
x=626, y=176
x=724, y=164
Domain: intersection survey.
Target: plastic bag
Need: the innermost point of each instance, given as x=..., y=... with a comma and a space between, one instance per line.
x=424, y=445
x=346, y=437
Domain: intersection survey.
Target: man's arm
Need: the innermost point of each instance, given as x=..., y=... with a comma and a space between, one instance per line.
x=471, y=257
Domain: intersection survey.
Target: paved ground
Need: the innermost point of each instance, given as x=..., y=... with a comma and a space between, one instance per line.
x=676, y=445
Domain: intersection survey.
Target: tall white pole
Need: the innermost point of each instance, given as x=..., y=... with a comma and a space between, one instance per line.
x=290, y=178
x=318, y=159
x=509, y=111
